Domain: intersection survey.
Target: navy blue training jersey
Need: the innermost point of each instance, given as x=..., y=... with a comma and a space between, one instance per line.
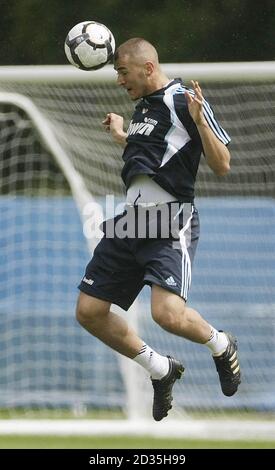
x=163, y=141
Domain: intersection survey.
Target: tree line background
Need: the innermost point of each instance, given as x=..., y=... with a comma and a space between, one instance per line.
x=33, y=31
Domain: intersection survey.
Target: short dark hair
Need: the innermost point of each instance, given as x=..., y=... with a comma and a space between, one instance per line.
x=134, y=46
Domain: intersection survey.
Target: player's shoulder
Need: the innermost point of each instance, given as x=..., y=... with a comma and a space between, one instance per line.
x=177, y=91
x=178, y=87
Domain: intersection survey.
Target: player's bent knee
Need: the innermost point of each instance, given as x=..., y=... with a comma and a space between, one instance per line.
x=90, y=309
x=167, y=317
x=162, y=316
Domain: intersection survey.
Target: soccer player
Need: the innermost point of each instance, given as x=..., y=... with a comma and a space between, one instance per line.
x=170, y=128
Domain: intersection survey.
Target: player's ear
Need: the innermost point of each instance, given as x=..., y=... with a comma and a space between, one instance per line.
x=149, y=68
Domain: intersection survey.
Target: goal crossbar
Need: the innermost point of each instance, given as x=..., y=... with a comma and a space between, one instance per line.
x=210, y=71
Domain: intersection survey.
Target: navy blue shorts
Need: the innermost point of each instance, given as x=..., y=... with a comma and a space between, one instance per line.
x=152, y=245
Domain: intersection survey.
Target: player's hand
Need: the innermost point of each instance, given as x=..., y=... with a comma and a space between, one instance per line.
x=106, y=122
x=113, y=123
x=195, y=103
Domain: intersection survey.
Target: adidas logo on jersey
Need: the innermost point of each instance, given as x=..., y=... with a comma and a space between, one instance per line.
x=170, y=281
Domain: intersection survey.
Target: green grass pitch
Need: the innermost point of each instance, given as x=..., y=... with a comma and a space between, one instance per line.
x=122, y=442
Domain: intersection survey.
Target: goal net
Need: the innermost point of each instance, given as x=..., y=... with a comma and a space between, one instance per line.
x=57, y=166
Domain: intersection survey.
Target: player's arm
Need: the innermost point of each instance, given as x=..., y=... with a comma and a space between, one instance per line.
x=216, y=153
x=114, y=124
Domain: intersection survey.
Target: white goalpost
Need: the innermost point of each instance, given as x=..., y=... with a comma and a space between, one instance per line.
x=57, y=166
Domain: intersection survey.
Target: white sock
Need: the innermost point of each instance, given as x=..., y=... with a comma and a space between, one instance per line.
x=157, y=365
x=218, y=342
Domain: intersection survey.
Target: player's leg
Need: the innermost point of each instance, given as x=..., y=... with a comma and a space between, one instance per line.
x=169, y=273
x=95, y=316
x=169, y=310
x=113, y=276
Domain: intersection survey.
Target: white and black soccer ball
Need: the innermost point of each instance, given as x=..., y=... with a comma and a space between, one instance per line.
x=89, y=45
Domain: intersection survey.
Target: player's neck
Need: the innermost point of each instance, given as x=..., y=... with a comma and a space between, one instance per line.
x=161, y=81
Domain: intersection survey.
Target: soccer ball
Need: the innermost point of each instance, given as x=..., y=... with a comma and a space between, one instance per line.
x=89, y=45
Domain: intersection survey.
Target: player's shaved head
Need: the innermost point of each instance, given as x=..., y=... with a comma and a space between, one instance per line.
x=138, y=70
x=137, y=49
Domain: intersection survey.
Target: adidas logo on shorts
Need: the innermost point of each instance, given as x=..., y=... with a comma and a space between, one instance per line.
x=170, y=281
